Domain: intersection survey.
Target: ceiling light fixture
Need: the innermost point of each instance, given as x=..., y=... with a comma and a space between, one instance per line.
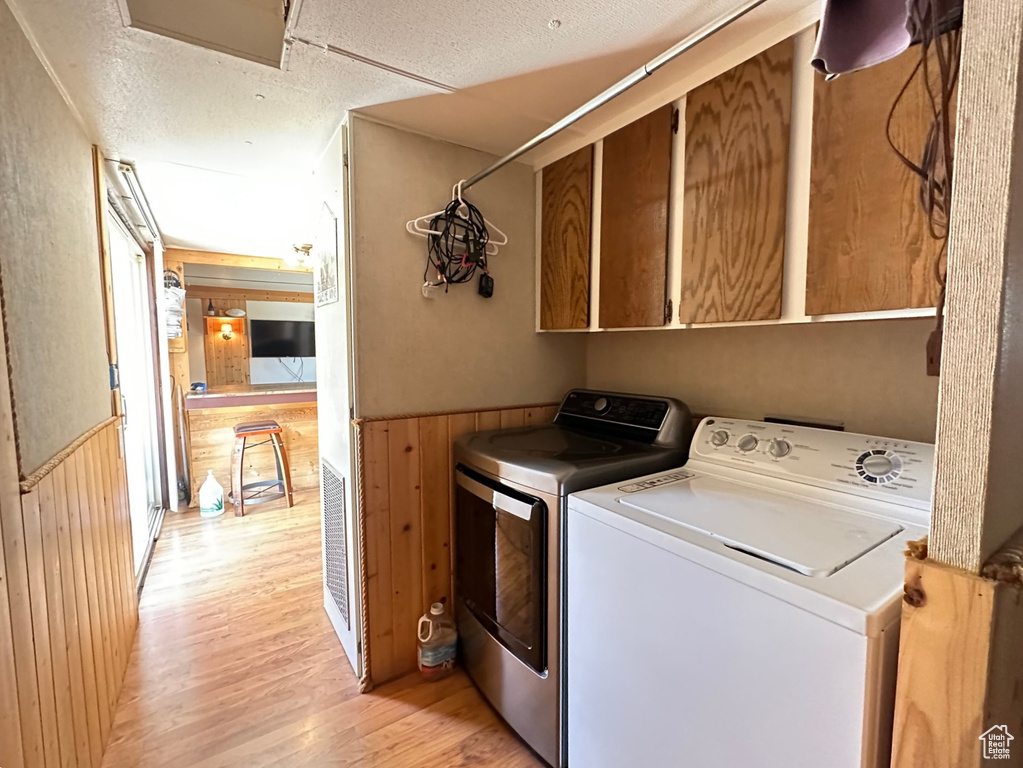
x=300, y=256
x=554, y=23
x=260, y=97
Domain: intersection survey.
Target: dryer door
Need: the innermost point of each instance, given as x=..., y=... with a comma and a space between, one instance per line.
x=501, y=563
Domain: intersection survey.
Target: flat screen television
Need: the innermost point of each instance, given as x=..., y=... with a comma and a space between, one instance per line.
x=283, y=338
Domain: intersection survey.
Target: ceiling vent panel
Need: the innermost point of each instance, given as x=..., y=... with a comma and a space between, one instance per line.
x=250, y=29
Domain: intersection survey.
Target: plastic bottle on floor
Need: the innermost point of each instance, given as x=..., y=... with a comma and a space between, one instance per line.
x=211, y=497
x=438, y=643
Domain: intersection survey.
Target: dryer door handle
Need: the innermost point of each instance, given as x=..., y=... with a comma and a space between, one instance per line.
x=500, y=501
x=513, y=506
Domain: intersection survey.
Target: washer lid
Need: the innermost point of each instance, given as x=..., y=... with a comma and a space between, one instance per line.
x=809, y=537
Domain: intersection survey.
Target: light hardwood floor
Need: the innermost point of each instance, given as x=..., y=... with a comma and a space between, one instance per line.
x=236, y=664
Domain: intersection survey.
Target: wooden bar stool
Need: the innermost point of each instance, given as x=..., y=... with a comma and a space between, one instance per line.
x=262, y=491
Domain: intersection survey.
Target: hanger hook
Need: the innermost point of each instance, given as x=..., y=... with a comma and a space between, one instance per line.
x=456, y=194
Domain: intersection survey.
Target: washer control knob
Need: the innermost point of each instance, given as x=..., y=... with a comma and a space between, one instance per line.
x=601, y=405
x=878, y=465
x=779, y=448
x=748, y=443
x=719, y=437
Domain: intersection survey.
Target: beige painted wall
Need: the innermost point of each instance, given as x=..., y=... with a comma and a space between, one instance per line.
x=49, y=258
x=458, y=351
x=869, y=375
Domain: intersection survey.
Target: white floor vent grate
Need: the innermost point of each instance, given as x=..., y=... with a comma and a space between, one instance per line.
x=335, y=539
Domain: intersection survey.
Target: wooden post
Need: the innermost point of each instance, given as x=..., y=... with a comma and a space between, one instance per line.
x=959, y=670
x=979, y=484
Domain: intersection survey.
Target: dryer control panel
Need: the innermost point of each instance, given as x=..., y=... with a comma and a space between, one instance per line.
x=893, y=470
x=660, y=421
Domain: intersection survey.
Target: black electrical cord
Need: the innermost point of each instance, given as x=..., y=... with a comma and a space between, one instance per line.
x=940, y=40
x=460, y=247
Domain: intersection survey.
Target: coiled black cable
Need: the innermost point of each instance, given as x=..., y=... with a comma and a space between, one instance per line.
x=460, y=247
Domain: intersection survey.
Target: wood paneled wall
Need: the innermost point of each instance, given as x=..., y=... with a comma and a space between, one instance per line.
x=407, y=471
x=212, y=443
x=227, y=360
x=70, y=582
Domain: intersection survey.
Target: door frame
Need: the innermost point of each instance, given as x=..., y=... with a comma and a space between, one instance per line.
x=353, y=636
x=162, y=498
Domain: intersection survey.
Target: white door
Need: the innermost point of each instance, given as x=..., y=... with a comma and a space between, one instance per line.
x=341, y=566
x=135, y=359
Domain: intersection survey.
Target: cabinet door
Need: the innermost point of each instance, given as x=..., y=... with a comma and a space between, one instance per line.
x=565, y=242
x=736, y=182
x=635, y=193
x=869, y=248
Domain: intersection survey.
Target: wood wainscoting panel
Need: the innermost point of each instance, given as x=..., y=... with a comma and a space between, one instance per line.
x=869, y=248
x=736, y=181
x=376, y=515
x=635, y=196
x=407, y=507
x=567, y=215
x=212, y=444
x=73, y=608
x=435, y=487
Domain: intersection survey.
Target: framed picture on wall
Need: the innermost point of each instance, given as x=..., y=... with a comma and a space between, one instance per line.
x=325, y=258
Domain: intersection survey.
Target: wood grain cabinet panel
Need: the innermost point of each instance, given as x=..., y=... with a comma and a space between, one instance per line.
x=736, y=182
x=869, y=248
x=565, y=242
x=635, y=197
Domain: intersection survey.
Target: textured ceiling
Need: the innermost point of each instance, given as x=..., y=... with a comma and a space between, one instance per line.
x=225, y=169
x=468, y=42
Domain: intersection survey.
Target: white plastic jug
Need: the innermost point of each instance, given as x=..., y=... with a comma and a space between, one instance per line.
x=438, y=643
x=211, y=497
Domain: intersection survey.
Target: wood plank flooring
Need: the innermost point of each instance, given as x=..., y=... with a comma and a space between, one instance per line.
x=236, y=664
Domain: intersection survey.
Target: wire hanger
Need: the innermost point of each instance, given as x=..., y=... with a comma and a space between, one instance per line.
x=421, y=226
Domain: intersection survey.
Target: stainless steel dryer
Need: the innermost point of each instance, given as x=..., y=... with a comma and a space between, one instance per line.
x=510, y=513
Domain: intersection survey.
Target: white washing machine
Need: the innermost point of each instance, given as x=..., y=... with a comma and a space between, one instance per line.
x=744, y=610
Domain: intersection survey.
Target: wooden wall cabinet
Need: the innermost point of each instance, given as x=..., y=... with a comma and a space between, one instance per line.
x=634, y=210
x=869, y=248
x=736, y=182
x=780, y=202
x=566, y=223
